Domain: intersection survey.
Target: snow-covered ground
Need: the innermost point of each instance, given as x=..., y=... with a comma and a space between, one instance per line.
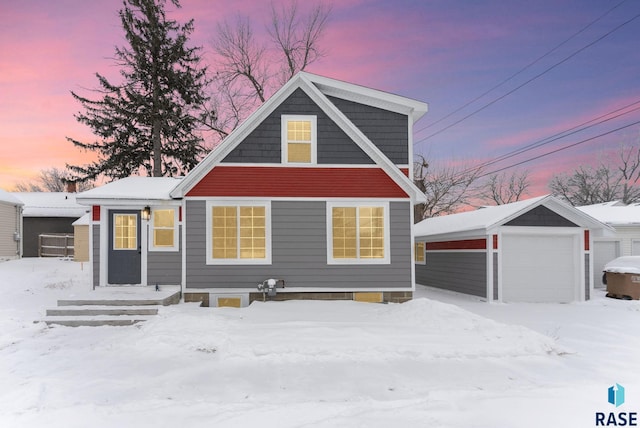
x=441, y=360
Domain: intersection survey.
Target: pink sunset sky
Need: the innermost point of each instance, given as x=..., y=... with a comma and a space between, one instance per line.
x=445, y=53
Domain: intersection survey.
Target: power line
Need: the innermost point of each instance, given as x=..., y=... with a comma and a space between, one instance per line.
x=529, y=81
x=583, y=29
x=560, y=149
x=567, y=132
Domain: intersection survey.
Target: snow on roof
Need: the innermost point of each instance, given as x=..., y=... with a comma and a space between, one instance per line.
x=85, y=220
x=9, y=198
x=50, y=204
x=134, y=188
x=482, y=218
x=613, y=212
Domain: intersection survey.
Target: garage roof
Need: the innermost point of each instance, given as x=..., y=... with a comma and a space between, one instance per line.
x=9, y=198
x=482, y=221
x=50, y=204
x=615, y=213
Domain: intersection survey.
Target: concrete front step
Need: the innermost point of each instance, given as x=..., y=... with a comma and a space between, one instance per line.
x=70, y=311
x=163, y=298
x=96, y=321
x=112, y=306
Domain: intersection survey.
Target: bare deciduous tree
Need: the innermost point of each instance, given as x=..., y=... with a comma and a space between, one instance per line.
x=447, y=188
x=505, y=188
x=249, y=70
x=296, y=38
x=52, y=180
x=611, y=179
x=242, y=57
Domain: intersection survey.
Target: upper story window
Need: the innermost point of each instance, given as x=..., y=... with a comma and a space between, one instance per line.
x=299, y=137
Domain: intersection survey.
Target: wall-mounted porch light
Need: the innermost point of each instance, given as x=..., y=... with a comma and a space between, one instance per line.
x=146, y=213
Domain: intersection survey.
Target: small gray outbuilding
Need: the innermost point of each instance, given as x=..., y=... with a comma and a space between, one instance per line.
x=47, y=213
x=536, y=250
x=10, y=226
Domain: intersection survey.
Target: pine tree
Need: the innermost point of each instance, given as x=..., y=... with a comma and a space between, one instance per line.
x=149, y=121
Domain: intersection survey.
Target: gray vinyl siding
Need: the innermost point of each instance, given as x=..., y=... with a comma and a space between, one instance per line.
x=541, y=216
x=165, y=267
x=263, y=144
x=96, y=255
x=388, y=130
x=299, y=252
x=464, y=272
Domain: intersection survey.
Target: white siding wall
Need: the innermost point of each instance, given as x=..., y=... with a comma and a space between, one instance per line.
x=627, y=235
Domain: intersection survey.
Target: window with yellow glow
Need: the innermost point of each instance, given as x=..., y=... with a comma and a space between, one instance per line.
x=345, y=239
x=164, y=228
x=252, y=233
x=125, y=232
x=419, y=252
x=238, y=233
x=298, y=135
x=225, y=232
x=371, y=232
x=358, y=233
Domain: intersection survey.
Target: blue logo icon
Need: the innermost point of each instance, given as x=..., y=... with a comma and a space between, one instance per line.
x=616, y=395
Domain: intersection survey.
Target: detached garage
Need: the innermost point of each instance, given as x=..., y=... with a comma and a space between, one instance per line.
x=537, y=250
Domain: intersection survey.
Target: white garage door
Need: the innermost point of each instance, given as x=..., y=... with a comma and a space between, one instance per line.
x=540, y=267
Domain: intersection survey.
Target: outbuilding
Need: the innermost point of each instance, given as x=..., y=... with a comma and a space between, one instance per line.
x=625, y=220
x=10, y=226
x=536, y=250
x=47, y=213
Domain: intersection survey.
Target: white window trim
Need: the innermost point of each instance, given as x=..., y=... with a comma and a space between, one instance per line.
x=314, y=138
x=424, y=253
x=176, y=226
x=358, y=261
x=209, y=242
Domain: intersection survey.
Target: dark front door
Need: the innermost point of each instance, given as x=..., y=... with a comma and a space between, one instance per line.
x=125, y=248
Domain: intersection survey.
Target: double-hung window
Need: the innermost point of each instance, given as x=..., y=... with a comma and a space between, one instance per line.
x=164, y=230
x=238, y=233
x=299, y=137
x=358, y=233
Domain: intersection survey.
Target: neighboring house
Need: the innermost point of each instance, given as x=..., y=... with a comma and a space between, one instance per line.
x=47, y=213
x=81, y=238
x=625, y=219
x=313, y=189
x=10, y=226
x=537, y=250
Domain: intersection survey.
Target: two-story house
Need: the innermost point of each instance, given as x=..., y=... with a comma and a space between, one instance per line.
x=313, y=190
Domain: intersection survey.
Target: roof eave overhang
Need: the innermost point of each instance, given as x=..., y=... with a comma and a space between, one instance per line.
x=127, y=201
x=453, y=236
